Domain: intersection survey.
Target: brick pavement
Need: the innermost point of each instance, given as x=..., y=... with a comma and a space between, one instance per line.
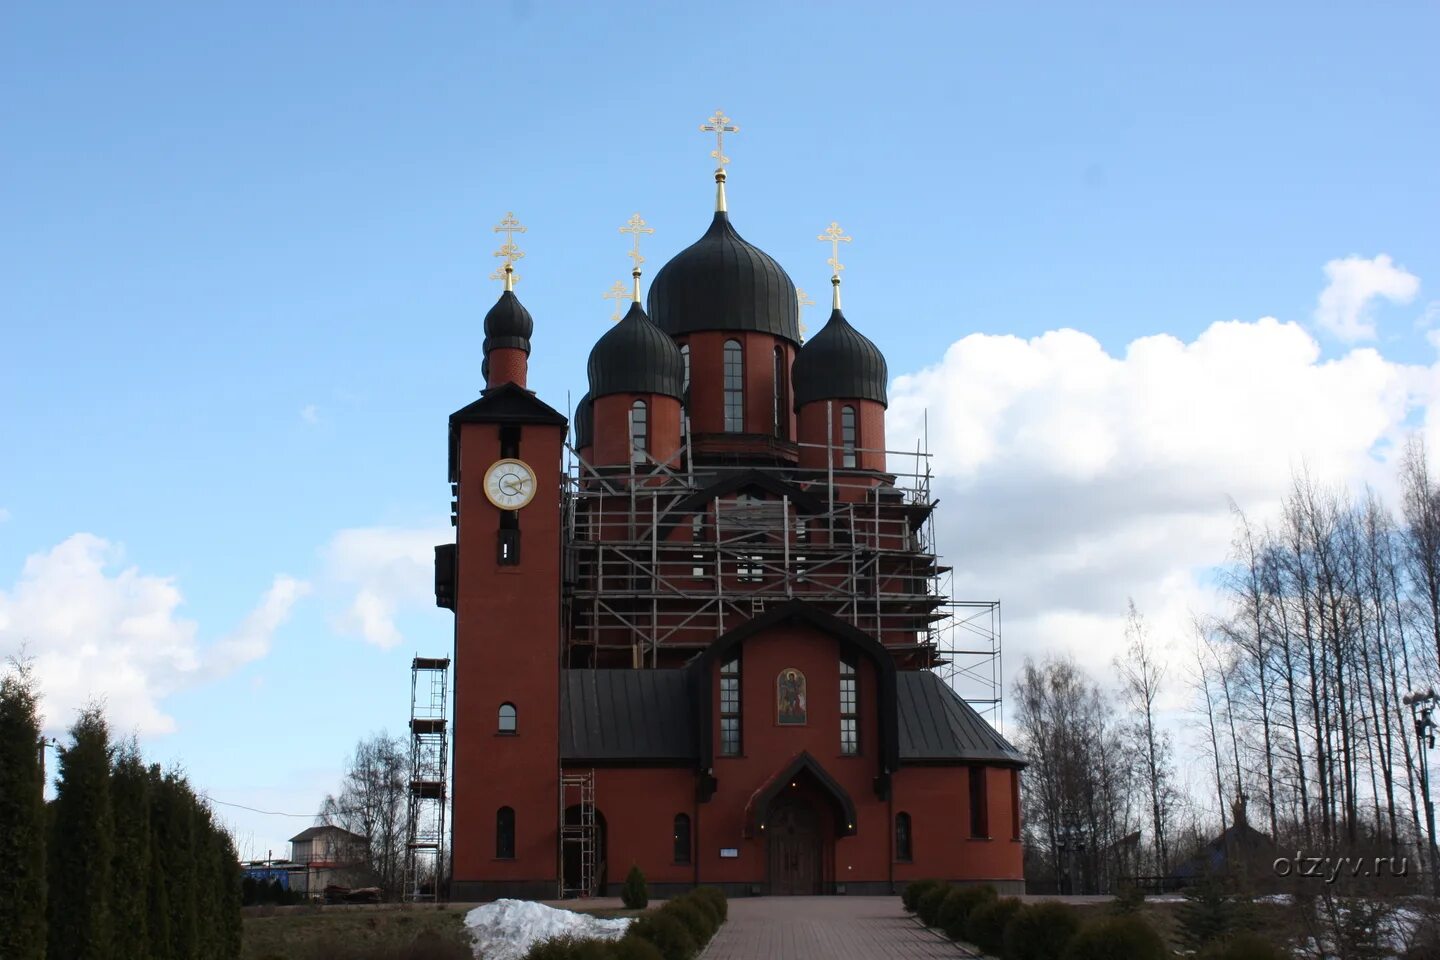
x=825, y=928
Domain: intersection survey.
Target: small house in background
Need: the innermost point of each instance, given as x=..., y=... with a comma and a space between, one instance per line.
x=327, y=856
x=1239, y=851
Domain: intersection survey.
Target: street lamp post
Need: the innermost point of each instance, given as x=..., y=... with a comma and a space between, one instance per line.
x=1422, y=706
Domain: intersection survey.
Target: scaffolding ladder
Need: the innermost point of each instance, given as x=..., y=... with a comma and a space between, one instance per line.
x=429, y=752
x=578, y=790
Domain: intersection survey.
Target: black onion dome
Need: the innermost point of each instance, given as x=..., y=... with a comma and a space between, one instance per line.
x=584, y=422
x=839, y=363
x=635, y=356
x=720, y=282
x=508, y=324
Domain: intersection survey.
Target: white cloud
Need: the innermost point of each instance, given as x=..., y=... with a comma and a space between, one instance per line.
x=1346, y=306
x=98, y=632
x=384, y=570
x=310, y=413
x=1071, y=479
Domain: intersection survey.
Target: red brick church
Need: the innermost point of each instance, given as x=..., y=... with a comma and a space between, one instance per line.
x=696, y=634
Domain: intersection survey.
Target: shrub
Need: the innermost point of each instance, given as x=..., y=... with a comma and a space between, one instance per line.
x=1040, y=931
x=635, y=894
x=667, y=932
x=928, y=908
x=716, y=898
x=697, y=918
x=555, y=948
x=957, y=906
x=914, y=890
x=1129, y=899
x=1245, y=946
x=633, y=948
x=1116, y=938
x=986, y=926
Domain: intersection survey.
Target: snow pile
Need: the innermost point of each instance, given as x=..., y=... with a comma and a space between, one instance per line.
x=506, y=929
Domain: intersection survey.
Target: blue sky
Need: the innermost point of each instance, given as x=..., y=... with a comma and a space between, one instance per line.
x=245, y=251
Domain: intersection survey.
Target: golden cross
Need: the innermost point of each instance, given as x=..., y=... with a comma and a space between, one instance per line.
x=834, y=236
x=508, y=226
x=616, y=293
x=803, y=300
x=636, y=226
x=719, y=125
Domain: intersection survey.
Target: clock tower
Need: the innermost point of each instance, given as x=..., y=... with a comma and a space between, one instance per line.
x=503, y=576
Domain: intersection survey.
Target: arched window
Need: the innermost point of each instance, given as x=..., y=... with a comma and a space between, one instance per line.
x=505, y=833
x=682, y=838
x=849, y=706
x=780, y=420
x=685, y=357
x=734, y=387
x=507, y=718
x=903, y=846
x=730, y=707
x=639, y=431
x=847, y=436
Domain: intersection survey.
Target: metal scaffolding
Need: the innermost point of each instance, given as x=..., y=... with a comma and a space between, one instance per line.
x=429, y=753
x=578, y=834
x=662, y=557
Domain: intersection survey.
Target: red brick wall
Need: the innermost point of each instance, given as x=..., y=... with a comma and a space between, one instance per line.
x=612, y=428
x=507, y=365
x=938, y=801
x=707, y=381
x=869, y=429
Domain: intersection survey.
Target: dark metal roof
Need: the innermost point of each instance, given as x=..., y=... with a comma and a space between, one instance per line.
x=508, y=324
x=635, y=356
x=937, y=724
x=721, y=282
x=507, y=403
x=839, y=363
x=635, y=715
x=584, y=422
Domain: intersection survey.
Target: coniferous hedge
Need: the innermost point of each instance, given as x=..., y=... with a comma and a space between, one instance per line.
x=22, y=819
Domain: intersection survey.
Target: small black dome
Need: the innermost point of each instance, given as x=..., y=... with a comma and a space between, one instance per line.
x=720, y=282
x=508, y=324
x=839, y=363
x=635, y=356
x=584, y=422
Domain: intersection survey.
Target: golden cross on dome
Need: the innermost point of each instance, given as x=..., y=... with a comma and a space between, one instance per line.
x=834, y=236
x=803, y=300
x=508, y=226
x=719, y=125
x=635, y=226
x=616, y=293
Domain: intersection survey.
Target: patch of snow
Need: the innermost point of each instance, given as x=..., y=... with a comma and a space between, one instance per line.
x=1280, y=898
x=506, y=929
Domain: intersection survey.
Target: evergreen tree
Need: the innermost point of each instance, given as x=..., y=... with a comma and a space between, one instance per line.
x=83, y=844
x=174, y=835
x=22, y=818
x=130, y=873
x=157, y=883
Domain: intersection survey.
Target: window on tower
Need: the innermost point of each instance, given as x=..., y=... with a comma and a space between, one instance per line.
x=685, y=359
x=849, y=706
x=639, y=431
x=847, y=436
x=507, y=718
x=734, y=388
x=505, y=833
x=779, y=414
x=730, y=707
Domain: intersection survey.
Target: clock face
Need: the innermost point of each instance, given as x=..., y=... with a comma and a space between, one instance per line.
x=510, y=484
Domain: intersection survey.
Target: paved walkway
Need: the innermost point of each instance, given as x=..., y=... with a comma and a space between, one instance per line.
x=825, y=928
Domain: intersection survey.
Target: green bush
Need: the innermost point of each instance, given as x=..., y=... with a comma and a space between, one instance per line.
x=635, y=894
x=667, y=932
x=1128, y=899
x=1245, y=946
x=957, y=906
x=986, y=926
x=914, y=890
x=1116, y=938
x=928, y=907
x=696, y=916
x=633, y=948
x=709, y=906
x=1040, y=931
x=717, y=900
x=555, y=948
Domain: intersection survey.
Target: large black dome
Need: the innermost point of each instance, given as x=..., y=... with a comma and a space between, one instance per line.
x=635, y=356
x=720, y=282
x=508, y=324
x=839, y=363
x=584, y=422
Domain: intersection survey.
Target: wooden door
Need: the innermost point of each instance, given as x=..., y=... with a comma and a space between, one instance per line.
x=793, y=838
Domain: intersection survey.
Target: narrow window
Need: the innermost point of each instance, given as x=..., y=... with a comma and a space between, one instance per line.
x=639, y=431
x=849, y=707
x=734, y=388
x=749, y=569
x=508, y=544
x=505, y=833
x=682, y=838
x=979, y=812
x=507, y=718
x=779, y=419
x=685, y=358
x=697, y=536
x=730, y=707
x=902, y=837
x=847, y=436
x=1015, y=804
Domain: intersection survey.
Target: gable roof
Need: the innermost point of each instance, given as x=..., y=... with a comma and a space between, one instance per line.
x=937, y=724
x=507, y=403
x=323, y=830
x=758, y=806
x=627, y=715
